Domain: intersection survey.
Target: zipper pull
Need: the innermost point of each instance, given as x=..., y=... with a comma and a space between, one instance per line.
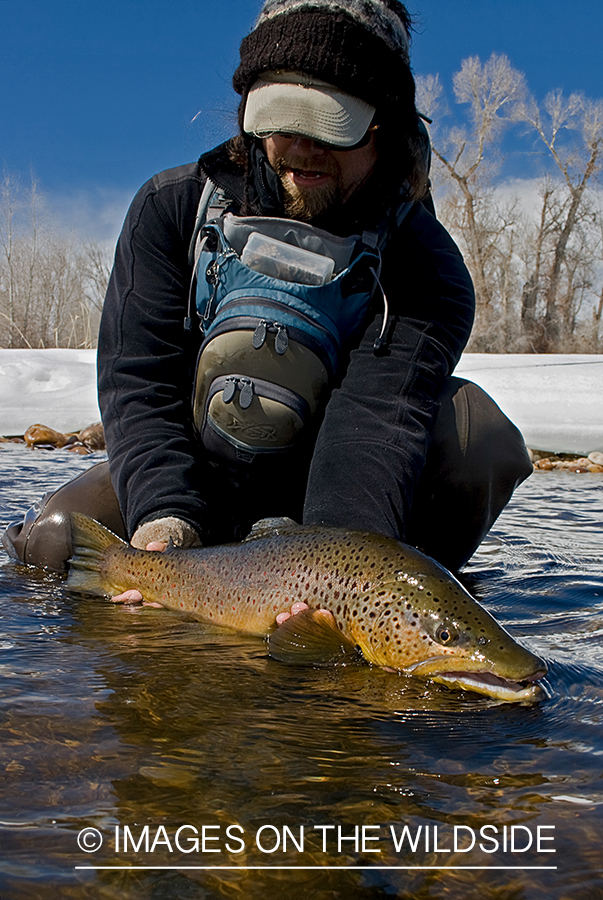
x=246, y=395
x=229, y=389
x=281, y=341
x=212, y=276
x=259, y=335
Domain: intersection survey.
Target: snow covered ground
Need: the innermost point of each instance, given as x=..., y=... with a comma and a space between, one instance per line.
x=51, y=387
x=556, y=401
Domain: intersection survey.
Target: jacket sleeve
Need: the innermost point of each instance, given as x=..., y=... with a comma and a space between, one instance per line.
x=373, y=441
x=145, y=357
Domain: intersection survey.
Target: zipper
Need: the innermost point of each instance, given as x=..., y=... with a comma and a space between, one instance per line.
x=275, y=304
x=248, y=388
x=298, y=334
x=234, y=383
x=281, y=341
x=212, y=276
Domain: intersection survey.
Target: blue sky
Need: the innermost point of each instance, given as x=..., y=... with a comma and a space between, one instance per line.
x=97, y=95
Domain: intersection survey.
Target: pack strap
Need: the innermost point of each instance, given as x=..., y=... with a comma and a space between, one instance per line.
x=214, y=201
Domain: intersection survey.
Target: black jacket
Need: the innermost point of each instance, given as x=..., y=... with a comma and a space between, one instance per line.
x=361, y=469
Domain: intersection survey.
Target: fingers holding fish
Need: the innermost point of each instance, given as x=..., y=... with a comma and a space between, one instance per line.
x=295, y=609
x=298, y=607
x=129, y=598
x=133, y=597
x=156, y=546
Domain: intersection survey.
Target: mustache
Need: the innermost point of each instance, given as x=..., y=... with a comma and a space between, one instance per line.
x=328, y=166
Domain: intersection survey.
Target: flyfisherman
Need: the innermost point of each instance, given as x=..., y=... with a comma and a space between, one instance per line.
x=284, y=316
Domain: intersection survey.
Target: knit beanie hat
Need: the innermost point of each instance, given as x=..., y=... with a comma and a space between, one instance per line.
x=359, y=46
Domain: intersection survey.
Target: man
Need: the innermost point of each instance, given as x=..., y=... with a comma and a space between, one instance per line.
x=330, y=137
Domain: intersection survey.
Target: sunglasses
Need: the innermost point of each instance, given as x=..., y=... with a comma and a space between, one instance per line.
x=289, y=136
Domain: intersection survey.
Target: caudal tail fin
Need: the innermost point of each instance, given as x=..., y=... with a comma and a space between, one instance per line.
x=90, y=540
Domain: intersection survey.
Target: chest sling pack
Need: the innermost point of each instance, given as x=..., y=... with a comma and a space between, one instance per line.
x=276, y=301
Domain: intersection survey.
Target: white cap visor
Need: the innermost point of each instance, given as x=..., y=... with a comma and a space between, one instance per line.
x=294, y=103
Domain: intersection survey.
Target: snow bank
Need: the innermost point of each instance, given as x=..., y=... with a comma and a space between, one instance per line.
x=54, y=387
x=556, y=400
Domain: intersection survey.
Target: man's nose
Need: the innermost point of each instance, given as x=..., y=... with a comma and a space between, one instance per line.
x=305, y=146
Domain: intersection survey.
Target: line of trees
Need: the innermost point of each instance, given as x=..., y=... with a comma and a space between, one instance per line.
x=537, y=261
x=535, y=252
x=52, y=287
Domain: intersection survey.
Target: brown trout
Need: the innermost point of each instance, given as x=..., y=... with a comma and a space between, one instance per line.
x=397, y=607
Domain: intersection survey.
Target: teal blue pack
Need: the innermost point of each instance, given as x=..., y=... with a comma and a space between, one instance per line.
x=277, y=301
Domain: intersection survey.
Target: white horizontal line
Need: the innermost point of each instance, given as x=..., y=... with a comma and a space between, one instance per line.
x=324, y=868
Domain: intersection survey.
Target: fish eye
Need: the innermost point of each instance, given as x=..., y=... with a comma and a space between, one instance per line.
x=445, y=634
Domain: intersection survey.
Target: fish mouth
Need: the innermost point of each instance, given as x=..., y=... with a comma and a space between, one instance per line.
x=469, y=678
x=492, y=685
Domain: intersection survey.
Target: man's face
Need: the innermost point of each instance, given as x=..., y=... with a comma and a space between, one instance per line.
x=316, y=177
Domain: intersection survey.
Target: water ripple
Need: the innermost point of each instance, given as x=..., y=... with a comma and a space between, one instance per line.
x=114, y=717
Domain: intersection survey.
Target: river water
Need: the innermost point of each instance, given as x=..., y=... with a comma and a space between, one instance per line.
x=235, y=776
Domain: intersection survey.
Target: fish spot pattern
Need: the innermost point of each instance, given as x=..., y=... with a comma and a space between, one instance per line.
x=377, y=590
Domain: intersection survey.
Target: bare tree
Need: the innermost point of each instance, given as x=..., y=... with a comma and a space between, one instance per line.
x=571, y=130
x=7, y=243
x=51, y=286
x=469, y=158
x=537, y=276
x=97, y=270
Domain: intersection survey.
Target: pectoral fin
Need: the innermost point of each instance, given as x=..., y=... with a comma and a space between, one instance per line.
x=312, y=638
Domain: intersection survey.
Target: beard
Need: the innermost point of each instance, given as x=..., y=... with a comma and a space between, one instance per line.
x=305, y=204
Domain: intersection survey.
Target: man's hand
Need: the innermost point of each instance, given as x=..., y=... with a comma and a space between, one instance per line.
x=160, y=531
x=154, y=536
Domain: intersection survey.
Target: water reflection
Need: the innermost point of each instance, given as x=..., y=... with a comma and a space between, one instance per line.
x=112, y=718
